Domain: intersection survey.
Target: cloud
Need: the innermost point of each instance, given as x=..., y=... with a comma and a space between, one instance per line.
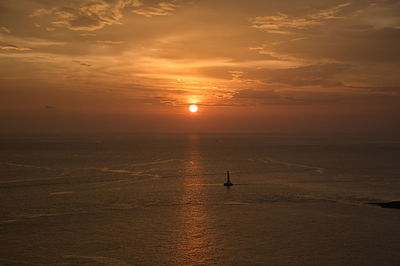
x=81, y=63
x=213, y=59
x=378, y=16
x=268, y=96
x=330, y=13
x=260, y=94
x=110, y=42
x=90, y=15
x=10, y=47
x=87, y=34
x=161, y=9
x=4, y=29
x=41, y=12
x=11, y=42
x=284, y=24
x=391, y=90
x=363, y=33
x=320, y=75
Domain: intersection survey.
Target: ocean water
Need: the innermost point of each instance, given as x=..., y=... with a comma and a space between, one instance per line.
x=160, y=200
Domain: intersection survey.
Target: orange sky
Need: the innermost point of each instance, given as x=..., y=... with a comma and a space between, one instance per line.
x=251, y=66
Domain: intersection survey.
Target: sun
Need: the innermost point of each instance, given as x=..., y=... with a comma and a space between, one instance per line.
x=193, y=108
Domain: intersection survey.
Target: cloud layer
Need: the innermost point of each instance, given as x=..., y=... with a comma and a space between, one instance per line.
x=263, y=56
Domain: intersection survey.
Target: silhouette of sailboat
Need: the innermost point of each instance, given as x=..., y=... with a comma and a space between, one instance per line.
x=228, y=180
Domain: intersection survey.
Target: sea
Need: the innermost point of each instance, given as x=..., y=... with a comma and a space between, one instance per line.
x=159, y=199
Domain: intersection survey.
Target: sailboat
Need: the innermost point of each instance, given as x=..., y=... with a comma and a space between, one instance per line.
x=228, y=180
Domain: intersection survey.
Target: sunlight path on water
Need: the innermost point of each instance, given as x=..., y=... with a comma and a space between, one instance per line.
x=196, y=243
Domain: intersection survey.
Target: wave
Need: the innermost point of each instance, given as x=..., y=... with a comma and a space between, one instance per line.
x=93, y=260
x=61, y=193
x=31, y=180
x=235, y=203
x=154, y=162
x=118, y=171
x=129, y=172
x=317, y=169
x=27, y=166
x=136, y=172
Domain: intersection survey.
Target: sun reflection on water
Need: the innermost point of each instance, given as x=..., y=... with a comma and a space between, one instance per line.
x=195, y=244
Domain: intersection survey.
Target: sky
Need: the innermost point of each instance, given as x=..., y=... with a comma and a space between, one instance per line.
x=250, y=65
